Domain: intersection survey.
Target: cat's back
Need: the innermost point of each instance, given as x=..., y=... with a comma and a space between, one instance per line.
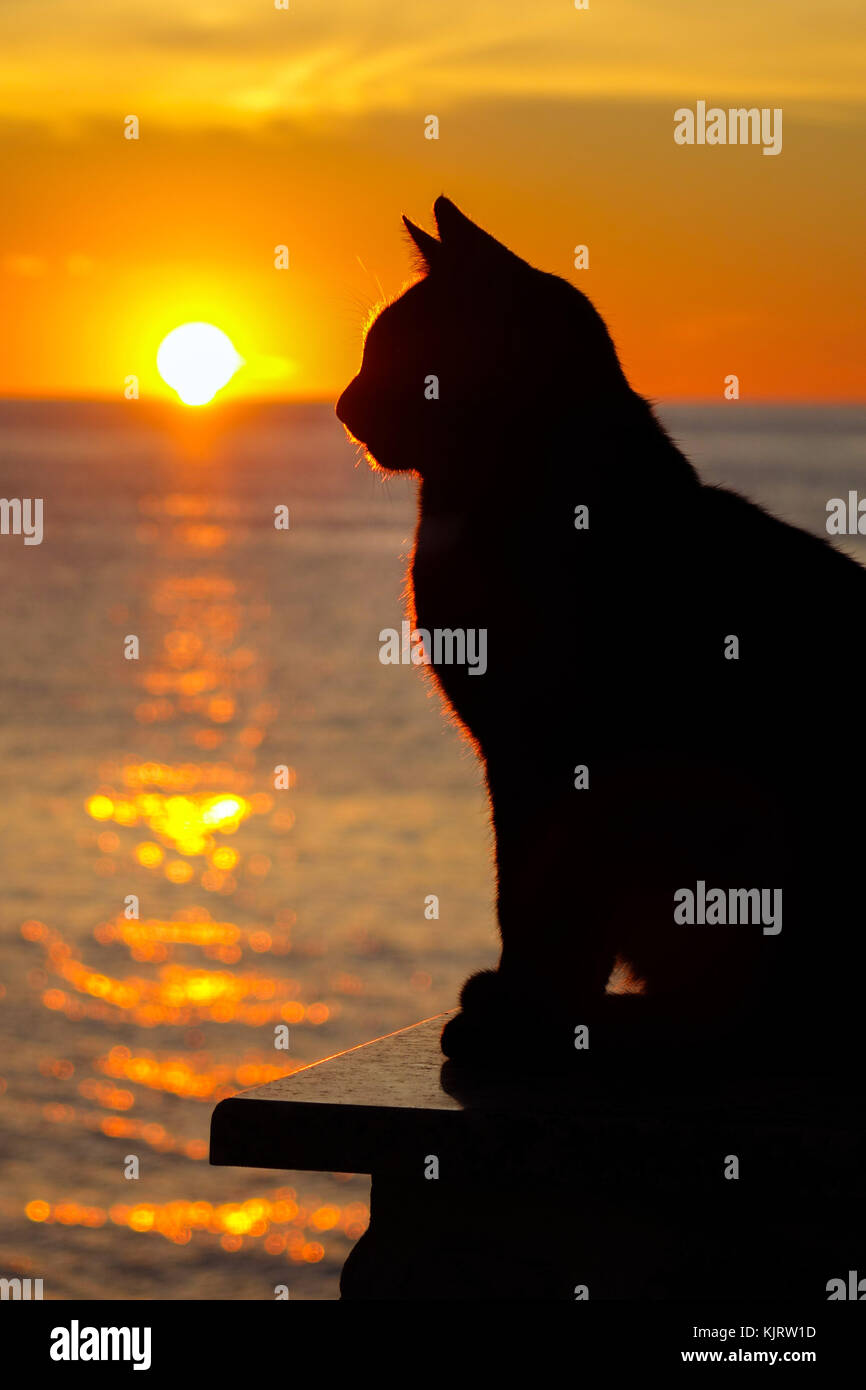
x=788, y=575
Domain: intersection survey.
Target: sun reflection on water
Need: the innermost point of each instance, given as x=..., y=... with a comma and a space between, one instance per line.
x=165, y=815
x=279, y=1221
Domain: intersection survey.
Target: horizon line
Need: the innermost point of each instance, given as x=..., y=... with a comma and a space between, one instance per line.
x=779, y=402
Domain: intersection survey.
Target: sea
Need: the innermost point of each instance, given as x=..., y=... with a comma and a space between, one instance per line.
x=226, y=825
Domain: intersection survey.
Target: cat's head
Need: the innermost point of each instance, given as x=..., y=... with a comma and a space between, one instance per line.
x=481, y=344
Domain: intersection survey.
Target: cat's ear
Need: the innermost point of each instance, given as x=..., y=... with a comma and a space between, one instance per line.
x=464, y=240
x=430, y=248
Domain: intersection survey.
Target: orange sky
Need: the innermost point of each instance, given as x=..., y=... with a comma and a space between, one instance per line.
x=306, y=127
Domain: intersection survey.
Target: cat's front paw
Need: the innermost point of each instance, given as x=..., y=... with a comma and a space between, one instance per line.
x=473, y=1033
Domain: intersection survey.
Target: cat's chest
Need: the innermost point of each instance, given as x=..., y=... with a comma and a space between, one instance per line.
x=453, y=567
x=442, y=535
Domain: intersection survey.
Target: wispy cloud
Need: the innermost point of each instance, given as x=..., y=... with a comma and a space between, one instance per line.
x=187, y=63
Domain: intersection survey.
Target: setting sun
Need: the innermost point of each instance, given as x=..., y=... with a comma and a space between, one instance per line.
x=197, y=360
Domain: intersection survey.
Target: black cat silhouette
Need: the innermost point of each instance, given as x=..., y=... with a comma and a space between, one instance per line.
x=672, y=700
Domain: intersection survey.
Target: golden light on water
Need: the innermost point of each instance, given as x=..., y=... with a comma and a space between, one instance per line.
x=179, y=994
x=187, y=822
x=259, y=1218
x=197, y=360
x=188, y=977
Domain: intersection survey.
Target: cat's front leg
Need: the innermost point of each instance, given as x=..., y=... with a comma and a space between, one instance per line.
x=558, y=947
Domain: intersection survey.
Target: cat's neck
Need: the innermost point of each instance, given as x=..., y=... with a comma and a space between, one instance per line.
x=642, y=444
x=614, y=445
